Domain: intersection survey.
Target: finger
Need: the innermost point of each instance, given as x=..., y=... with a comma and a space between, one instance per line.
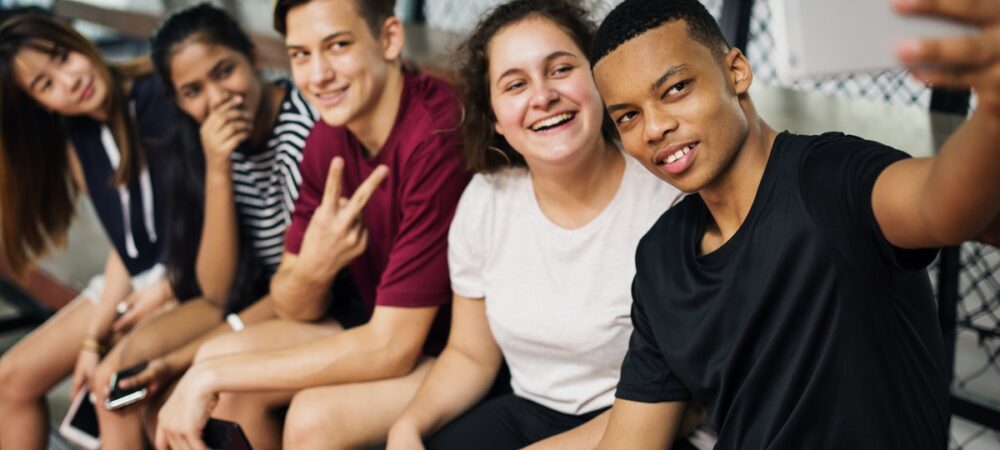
x=161, y=439
x=331, y=194
x=970, y=51
x=127, y=320
x=77, y=384
x=139, y=379
x=952, y=79
x=970, y=11
x=365, y=191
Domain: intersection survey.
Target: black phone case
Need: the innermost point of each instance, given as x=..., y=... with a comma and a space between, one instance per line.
x=224, y=435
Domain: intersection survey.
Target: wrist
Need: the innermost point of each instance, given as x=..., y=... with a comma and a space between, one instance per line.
x=93, y=345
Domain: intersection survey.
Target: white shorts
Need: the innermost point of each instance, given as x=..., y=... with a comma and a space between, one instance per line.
x=152, y=275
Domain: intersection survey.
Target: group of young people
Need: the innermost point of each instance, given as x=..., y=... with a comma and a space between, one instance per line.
x=348, y=258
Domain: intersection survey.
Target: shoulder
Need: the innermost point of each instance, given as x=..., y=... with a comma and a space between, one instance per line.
x=432, y=102
x=669, y=231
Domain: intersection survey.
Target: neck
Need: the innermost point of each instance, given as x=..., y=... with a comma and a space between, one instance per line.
x=573, y=194
x=267, y=113
x=373, y=129
x=731, y=196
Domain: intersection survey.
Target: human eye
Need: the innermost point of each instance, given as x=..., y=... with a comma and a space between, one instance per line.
x=677, y=88
x=297, y=55
x=339, y=45
x=561, y=69
x=225, y=70
x=514, y=85
x=625, y=118
x=190, y=92
x=45, y=85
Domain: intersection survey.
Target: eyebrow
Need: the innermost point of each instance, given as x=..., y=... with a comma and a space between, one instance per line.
x=548, y=60
x=325, y=39
x=668, y=74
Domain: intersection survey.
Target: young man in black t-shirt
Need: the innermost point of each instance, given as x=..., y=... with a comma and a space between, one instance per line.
x=789, y=295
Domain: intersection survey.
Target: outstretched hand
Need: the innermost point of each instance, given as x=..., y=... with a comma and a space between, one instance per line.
x=958, y=62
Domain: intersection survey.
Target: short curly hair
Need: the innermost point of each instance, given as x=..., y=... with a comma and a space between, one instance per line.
x=634, y=17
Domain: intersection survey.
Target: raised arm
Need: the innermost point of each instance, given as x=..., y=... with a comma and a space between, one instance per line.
x=461, y=376
x=333, y=238
x=642, y=426
x=223, y=130
x=955, y=196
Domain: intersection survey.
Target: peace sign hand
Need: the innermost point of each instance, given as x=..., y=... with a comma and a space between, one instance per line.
x=336, y=234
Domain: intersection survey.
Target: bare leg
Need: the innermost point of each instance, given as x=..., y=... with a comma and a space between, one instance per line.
x=30, y=369
x=347, y=416
x=152, y=338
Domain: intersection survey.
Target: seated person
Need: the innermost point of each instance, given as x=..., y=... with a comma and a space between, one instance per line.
x=244, y=168
x=387, y=138
x=541, y=249
x=72, y=122
x=788, y=294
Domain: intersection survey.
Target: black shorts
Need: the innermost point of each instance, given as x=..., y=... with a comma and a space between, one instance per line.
x=505, y=423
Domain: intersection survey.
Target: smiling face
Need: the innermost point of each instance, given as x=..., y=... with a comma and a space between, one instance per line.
x=542, y=93
x=62, y=81
x=337, y=63
x=677, y=104
x=206, y=75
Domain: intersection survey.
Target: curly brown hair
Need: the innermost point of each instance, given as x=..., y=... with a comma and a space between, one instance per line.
x=485, y=150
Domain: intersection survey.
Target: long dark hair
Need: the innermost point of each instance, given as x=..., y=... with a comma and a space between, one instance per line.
x=37, y=193
x=214, y=26
x=485, y=150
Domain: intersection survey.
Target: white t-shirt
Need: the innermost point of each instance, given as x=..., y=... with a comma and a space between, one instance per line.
x=558, y=300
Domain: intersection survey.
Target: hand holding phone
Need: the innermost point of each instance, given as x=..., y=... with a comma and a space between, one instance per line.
x=815, y=38
x=121, y=397
x=80, y=424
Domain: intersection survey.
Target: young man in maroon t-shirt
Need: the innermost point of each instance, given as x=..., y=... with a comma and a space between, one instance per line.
x=388, y=139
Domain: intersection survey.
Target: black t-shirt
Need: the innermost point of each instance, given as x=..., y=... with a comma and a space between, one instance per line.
x=807, y=329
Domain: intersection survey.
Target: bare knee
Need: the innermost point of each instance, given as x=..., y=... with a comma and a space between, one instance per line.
x=17, y=384
x=314, y=423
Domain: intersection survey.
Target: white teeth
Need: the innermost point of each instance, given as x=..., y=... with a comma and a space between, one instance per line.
x=550, y=121
x=679, y=154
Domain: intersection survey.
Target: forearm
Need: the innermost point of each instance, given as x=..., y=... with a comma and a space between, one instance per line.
x=297, y=294
x=117, y=285
x=585, y=436
x=454, y=384
x=182, y=358
x=354, y=355
x=642, y=426
x=962, y=192
x=219, y=248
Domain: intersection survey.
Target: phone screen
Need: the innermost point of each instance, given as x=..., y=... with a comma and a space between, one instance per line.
x=119, y=397
x=85, y=418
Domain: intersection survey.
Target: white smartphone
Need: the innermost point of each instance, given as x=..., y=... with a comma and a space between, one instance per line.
x=817, y=38
x=80, y=425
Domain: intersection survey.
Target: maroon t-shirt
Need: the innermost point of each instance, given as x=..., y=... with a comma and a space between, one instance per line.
x=408, y=216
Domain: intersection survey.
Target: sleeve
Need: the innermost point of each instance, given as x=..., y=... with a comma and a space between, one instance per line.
x=645, y=375
x=417, y=271
x=466, y=240
x=313, y=169
x=837, y=180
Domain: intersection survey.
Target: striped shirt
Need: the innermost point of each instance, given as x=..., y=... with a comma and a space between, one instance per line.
x=266, y=179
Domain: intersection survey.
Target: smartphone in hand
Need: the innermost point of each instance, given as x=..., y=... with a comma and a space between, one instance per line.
x=120, y=398
x=818, y=38
x=224, y=435
x=80, y=425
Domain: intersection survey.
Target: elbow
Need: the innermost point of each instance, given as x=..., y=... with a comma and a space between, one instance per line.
x=298, y=314
x=399, y=360
x=946, y=230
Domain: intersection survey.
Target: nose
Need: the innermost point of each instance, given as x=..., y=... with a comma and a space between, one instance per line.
x=320, y=71
x=658, y=124
x=217, y=95
x=543, y=96
x=69, y=80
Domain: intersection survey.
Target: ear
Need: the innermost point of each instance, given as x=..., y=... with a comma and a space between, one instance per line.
x=392, y=38
x=739, y=70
